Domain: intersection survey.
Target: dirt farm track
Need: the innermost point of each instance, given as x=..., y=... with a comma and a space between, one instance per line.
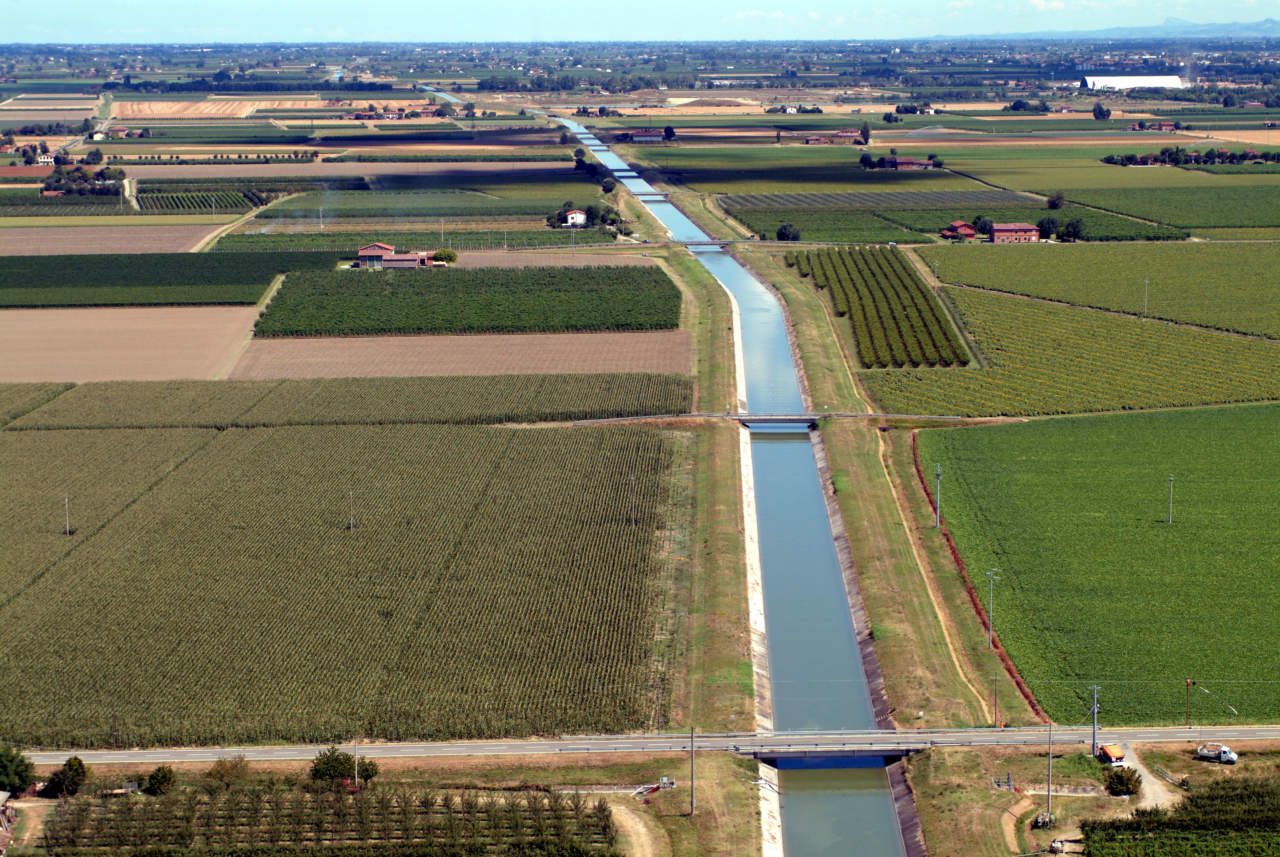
x=664, y=351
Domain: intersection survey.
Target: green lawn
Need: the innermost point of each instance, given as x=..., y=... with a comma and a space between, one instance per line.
x=1230, y=286
x=1096, y=587
x=1049, y=359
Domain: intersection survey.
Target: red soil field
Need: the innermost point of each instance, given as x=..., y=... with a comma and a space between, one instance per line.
x=665, y=351
x=122, y=343
x=74, y=240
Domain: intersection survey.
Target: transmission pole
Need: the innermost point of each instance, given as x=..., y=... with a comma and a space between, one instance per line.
x=66, y=506
x=692, y=800
x=1048, y=797
x=1094, y=712
x=1170, y=498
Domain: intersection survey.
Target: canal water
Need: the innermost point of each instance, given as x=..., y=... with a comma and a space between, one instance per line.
x=814, y=663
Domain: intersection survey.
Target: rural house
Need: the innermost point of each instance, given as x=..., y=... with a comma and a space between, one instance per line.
x=575, y=218
x=378, y=256
x=959, y=230
x=818, y=140
x=911, y=164
x=1014, y=233
x=647, y=135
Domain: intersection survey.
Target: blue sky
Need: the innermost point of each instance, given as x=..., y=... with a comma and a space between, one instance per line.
x=511, y=20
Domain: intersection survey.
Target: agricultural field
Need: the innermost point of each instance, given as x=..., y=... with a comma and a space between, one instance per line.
x=1228, y=818
x=279, y=820
x=386, y=610
x=424, y=204
x=116, y=343
x=1069, y=174
x=856, y=226
x=825, y=169
x=1036, y=357
x=918, y=199
x=1098, y=225
x=374, y=401
x=159, y=278
x=660, y=351
x=1074, y=512
x=220, y=201
x=1191, y=207
x=476, y=300
x=83, y=240
x=342, y=240
x=1231, y=287
x=894, y=318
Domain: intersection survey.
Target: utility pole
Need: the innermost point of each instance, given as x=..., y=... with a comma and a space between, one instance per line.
x=992, y=577
x=937, y=496
x=66, y=506
x=355, y=763
x=1146, y=293
x=1094, y=711
x=1170, y=499
x=1189, y=683
x=1048, y=796
x=692, y=801
x=351, y=510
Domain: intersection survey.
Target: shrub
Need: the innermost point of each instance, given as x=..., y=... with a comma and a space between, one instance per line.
x=160, y=781
x=68, y=779
x=446, y=255
x=227, y=772
x=332, y=766
x=788, y=232
x=1123, y=781
x=16, y=771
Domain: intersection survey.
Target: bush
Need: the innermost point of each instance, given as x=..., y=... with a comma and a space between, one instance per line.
x=1123, y=781
x=16, y=771
x=788, y=232
x=160, y=781
x=68, y=779
x=1056, y=199
x=228, y=772
x=446, y=255
x=333, y=766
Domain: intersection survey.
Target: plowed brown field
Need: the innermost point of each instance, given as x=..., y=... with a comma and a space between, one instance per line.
x=322, y=168
x=121, y=343
x=67, y=240
x=666, y=351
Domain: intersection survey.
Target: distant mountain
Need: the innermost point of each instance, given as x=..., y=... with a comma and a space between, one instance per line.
x=1172, y=28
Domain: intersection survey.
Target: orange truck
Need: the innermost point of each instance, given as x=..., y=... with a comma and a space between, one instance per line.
x=1111, y=754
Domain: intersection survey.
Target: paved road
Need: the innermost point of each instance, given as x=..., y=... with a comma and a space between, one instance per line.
x=871, y=742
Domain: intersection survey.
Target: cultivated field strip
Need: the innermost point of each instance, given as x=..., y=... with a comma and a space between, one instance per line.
x=365, y=823
x=1074, y=513
x=1049, y=359
x=18, y=399
x=89, y=475
x=895, y=319
x=496, y=582
x=367, y=401
x=473, y=300
x=921, y=199
x=1228, y=286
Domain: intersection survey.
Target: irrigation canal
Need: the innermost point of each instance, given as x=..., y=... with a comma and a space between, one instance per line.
x=829, y=805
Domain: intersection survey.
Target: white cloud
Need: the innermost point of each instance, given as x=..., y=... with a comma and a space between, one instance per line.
x=1049, y=5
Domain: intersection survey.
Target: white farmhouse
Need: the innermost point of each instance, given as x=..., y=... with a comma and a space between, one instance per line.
x=575, y=219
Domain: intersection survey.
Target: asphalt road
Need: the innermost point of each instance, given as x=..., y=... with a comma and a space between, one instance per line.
x=873, y=742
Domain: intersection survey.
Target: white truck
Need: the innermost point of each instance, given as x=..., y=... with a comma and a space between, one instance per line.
x=1214, y=752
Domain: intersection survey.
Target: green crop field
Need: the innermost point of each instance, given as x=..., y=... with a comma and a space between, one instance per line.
x=1217, y=206
x=1229, y=286
x=472, y=300
x=1229, y=817
x=461, y=239
x=433, y=631
x=823, y=169
x=480, y=400
x=147, y=278
x=1049, y=359
x=924, y=199
x=825, y=224
x=1099, y=225
x=316, y=583
x=1096, y=587
x=893, y=317
x=194, y=201
x=1076, y=173
x=342, y=204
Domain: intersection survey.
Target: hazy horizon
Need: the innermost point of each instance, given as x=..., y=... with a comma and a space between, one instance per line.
x=488, y=21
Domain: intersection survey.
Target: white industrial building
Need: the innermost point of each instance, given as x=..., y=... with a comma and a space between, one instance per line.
x=1154, y=81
